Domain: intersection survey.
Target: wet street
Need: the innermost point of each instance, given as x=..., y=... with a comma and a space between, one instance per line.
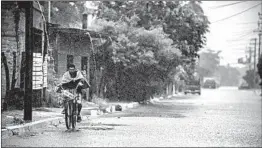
x=219, y=117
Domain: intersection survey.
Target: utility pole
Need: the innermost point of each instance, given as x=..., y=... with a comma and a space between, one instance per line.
x=259, y=44
x=28, y=60
x=255, y=51
x=259, y=32
x=250, y=57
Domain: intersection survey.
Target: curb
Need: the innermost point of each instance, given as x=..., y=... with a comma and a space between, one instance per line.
x=29, y=127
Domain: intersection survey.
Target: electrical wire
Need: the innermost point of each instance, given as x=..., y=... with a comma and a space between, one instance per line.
x=236, y=14
x=246, y=23
x=242, y=32
x=242, y=37
x=222, y=6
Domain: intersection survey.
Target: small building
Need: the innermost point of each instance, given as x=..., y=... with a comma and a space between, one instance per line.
x=77, y=46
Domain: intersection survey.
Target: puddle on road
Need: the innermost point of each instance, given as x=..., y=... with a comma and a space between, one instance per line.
x=28, y=135
x=100, y=126
x=97, y=127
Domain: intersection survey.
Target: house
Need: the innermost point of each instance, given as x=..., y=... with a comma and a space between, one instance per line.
x=77, y=46
x=13, y=34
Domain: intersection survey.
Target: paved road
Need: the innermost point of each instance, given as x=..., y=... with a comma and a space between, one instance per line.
x=221, y=117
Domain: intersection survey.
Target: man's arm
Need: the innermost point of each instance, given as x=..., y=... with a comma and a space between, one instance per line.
x=83, y=80
x=66, y=78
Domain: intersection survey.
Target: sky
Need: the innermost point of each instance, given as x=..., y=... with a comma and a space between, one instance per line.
x=231, y=36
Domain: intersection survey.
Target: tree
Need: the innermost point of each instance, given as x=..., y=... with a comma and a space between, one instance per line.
x=249, y=78
x=66, y=13
x=186, y=24
x=209, y=62
x=229, y=76
x=142, y=59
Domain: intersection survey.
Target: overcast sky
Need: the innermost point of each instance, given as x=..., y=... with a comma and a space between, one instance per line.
x=238, y=28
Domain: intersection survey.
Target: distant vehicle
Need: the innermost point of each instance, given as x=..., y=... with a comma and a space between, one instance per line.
x=193, y=86
x=210, y=84
x=243, y=86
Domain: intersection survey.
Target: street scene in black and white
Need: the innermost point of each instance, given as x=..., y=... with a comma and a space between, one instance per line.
x=131, y=74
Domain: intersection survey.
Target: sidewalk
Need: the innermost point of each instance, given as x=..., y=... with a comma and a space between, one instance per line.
x=12, y=121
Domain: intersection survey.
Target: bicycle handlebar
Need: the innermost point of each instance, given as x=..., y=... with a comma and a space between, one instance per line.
x=70, y=85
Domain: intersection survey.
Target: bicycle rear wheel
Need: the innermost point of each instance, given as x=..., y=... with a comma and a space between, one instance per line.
x=68, y=114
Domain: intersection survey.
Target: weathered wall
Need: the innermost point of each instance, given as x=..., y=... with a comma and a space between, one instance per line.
x=70, y=45
x=9, y=43
x=8, y=38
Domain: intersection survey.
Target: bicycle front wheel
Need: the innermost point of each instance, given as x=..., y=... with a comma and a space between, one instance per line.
x=68, y=114
x=74, y=115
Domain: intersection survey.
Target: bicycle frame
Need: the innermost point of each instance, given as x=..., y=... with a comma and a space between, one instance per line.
x=71, y=107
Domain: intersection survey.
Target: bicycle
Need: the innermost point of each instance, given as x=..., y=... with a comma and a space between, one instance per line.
x=71, y=106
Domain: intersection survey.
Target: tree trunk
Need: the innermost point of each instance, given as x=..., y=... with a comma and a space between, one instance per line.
x=16, y=54
x=6, y=72
x=14, y=71
x=101, y=84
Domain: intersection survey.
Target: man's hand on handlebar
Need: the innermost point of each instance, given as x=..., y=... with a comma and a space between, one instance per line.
x=59, y=89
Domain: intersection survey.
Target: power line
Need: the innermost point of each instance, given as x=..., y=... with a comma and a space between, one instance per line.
x=246, y=23
x=221, y=6
x=242, y=32
x=241, y=38
x=243, y=35
x=237, y=13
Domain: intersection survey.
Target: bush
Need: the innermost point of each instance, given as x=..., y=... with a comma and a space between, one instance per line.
x=14, y=99
x=54, y=99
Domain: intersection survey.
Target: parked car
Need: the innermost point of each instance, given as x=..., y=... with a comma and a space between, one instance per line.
x=193, y=87
x=210, y=84
x=243, y=86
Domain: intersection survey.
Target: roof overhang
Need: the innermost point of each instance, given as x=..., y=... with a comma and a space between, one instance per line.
x=78, y=32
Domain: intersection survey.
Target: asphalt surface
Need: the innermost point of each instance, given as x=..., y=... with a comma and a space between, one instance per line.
x=221, y=117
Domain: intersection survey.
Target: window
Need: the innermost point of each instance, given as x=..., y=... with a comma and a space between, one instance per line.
x=37, y=40
x=84, y=63
x=70, y=59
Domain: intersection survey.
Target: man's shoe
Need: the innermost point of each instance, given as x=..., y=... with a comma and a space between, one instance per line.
x=79, y=119
x=63, y=111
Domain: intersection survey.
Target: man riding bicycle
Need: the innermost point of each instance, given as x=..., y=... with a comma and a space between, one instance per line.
x=69, y=81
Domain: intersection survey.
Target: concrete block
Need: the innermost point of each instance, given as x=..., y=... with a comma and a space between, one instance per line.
x=94, y=113
x=100, y=112
x=124, y=107
x=108, y=109
x=135, y=104
x=84, y=118
x=113, y=109
x=130, y=105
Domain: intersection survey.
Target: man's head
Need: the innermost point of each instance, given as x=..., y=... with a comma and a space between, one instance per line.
x=71, y=68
